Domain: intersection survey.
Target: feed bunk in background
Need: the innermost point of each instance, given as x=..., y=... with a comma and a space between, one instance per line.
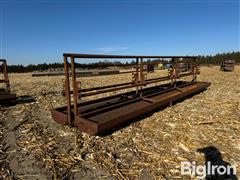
x=5, y=93
x=227, y=65
x=150, y=68
x=102, y=114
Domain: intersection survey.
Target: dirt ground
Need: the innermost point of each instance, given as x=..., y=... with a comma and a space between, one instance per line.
x=33, y=146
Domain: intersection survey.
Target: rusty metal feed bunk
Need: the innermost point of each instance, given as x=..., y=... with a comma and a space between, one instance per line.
x=227, y=65
x=5, y=92
x=105, y=113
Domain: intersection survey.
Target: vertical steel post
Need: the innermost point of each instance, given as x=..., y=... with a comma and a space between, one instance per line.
x=194, y=69
x=5, y=74
x=141, y=76
x=74, y=86
x=177, y=64
x=137, y=74
x=67, y=89
x=173, y=71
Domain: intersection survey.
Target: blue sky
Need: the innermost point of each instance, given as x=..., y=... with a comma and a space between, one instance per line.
x=40, y=31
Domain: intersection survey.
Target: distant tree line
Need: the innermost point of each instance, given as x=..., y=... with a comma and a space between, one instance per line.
x=218, y=58
x=209, y=59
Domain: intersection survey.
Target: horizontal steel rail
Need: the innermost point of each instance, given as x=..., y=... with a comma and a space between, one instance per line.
x=123, y=85
x=100, y=56
x=177, y=70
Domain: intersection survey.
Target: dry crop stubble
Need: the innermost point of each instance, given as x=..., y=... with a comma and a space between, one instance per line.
x=150, y=148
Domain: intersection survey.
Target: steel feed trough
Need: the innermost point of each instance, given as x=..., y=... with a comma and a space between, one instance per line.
x=227, y=65
x=102, y=114
x=5, y=93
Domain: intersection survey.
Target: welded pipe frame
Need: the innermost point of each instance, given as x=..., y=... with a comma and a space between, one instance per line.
x=139, y=72
x=5, y=95
x=5, y=74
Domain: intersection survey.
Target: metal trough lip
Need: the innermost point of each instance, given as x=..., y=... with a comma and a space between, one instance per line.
x=100, y=115
x=6, y=96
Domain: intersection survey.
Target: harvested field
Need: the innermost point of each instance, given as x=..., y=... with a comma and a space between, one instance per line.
x=33, y=146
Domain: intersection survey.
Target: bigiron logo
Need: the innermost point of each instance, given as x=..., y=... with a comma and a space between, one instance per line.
x=214, y=168
x=208, y=170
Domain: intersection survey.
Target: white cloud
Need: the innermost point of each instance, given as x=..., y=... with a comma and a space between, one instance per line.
x=111, y=49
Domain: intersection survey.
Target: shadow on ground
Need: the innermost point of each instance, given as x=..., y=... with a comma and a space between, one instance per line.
x=20, y=100
x=217, y=166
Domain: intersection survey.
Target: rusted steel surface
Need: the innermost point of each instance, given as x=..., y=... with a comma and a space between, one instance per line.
x=100, y=56
x=82, y=73
x=227, y=65
x=5, y=92
x=103, y=114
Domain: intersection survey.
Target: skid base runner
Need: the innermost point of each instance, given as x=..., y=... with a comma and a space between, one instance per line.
x=6, y=96
x=100, y=115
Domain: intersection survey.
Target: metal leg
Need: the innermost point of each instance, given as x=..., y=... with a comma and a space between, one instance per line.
x=74, y=86
x=67, y=89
